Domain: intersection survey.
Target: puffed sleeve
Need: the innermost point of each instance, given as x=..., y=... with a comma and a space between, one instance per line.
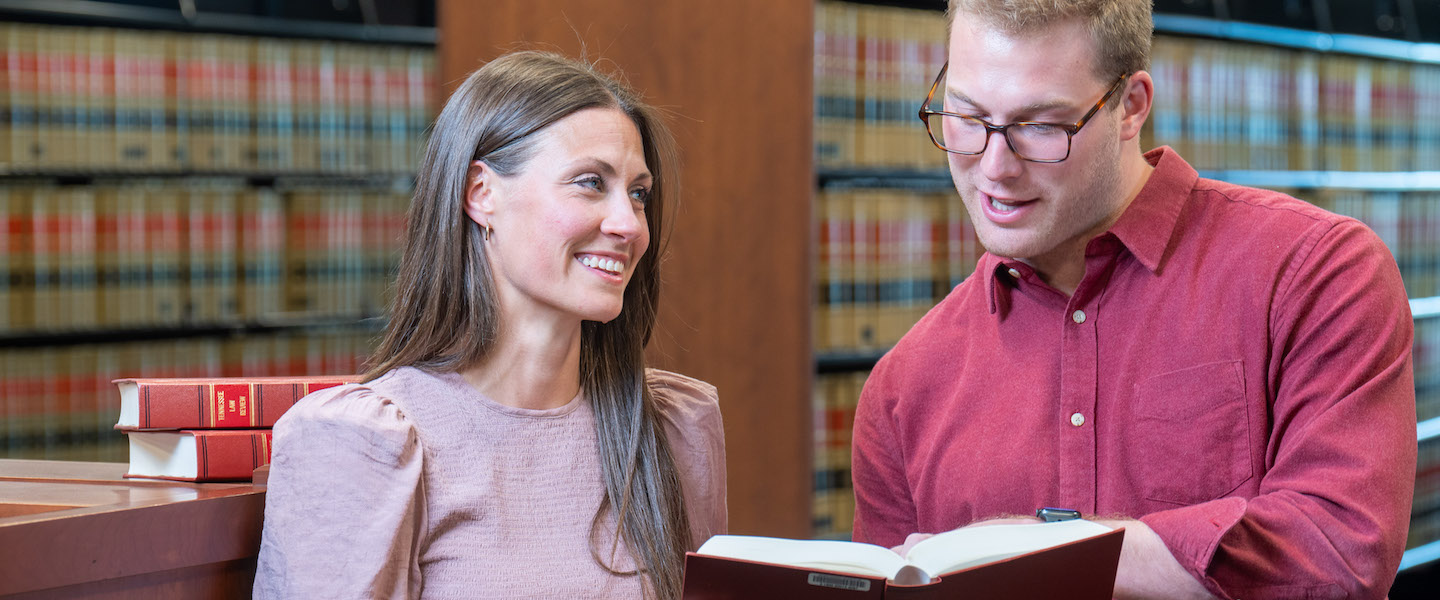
x=344, y=508
x=690, y=409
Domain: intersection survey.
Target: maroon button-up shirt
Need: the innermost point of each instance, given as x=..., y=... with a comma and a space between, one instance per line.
x=1233, y=370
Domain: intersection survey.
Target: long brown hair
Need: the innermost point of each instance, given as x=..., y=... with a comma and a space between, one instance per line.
x=445, y=315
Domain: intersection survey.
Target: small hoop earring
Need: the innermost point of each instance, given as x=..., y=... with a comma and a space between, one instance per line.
x=487, y=233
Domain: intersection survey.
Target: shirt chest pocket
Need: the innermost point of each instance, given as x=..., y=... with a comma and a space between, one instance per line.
x=1191, y=437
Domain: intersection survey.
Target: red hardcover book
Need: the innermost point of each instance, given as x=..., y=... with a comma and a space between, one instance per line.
x=1072, y=559
x=218, y=403
x=203, y=455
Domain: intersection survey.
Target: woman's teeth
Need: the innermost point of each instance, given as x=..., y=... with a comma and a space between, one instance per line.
x=604, y=264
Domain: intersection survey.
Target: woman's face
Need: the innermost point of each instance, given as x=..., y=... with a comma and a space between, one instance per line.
x=569, y=228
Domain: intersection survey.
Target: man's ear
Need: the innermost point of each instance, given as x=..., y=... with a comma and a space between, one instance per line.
x=1137, y=99
x=480, y=192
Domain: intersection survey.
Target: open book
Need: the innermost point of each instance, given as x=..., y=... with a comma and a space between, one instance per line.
x=1069, y=559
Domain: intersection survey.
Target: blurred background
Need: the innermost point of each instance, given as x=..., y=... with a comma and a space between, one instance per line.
x=216, y=188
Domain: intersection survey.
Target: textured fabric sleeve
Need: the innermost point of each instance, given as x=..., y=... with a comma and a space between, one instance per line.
x=344, y=508
x=884, y=508
x=691, y=412
x=1331, y=518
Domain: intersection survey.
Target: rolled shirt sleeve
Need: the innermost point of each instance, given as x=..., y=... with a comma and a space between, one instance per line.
x=1332, y=515
x=344, y=508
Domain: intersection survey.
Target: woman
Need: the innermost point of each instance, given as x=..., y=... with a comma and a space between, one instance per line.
x=508, y=440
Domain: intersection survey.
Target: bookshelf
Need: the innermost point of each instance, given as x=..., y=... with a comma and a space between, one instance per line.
x=193, y=194
x=1339, y=119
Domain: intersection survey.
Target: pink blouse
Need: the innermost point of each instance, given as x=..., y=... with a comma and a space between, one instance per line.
x=416, y=484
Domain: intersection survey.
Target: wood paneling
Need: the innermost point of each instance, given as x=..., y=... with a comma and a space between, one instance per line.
x=736, y=76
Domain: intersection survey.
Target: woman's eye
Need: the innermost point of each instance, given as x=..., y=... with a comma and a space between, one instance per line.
x=640, y=195
x=591, y=181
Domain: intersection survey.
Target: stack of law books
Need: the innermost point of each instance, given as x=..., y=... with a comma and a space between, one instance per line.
x=207, y=430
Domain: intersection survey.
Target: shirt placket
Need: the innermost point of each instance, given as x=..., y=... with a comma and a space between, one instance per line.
x=1079, y=371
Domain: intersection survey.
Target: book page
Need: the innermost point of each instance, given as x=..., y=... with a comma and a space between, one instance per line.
x=845, y=557
x=163, y=454
x=129, y=404
x=970, y=546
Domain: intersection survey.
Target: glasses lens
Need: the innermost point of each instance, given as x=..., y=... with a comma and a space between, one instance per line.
x=1039, y=141
x=958, y=134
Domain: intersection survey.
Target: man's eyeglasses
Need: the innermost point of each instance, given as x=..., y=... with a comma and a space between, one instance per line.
x=1029, y=140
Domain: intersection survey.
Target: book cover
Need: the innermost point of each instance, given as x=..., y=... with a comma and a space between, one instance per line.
x=239, y=402
x=1071, y=559
x=200, y=456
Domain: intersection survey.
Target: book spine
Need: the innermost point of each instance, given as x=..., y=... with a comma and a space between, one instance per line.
x=45, y=246
x=20, y=255
x=839, y=212
x=230, y=455
x=220, y=404
x=865, y=241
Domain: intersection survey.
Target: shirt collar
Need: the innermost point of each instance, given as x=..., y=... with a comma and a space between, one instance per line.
x=1145, y=228
x=994, y=268
x=1149, y=222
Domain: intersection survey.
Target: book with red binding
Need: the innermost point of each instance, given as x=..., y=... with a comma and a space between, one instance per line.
x=216, y=403
x=1072, y=559
x=204, y=455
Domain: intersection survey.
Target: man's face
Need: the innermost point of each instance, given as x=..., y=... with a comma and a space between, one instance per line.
x=1037, y=212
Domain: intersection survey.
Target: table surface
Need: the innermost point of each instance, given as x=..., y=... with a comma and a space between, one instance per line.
x=38, y=489
x=84, y=524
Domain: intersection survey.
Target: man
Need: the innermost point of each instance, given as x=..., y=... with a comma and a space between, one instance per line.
x=1223, y=371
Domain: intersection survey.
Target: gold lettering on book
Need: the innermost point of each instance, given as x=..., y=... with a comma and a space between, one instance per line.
x=244, y=405
x=220, y=401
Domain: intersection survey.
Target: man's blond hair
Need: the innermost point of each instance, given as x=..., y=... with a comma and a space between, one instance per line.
x=1120, y=29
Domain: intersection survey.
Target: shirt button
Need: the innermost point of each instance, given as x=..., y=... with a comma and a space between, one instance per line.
x=1077, y=419
x=1014, y=273
x=1078, y=316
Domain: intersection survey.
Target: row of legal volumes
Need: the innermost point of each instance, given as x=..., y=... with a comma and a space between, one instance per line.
x=166, y=253
x=1221, y=104
x=1228, y=105
x=886, y=256
x=835, y=398
x=118, y=100
x=873, y=65
x=58, y=402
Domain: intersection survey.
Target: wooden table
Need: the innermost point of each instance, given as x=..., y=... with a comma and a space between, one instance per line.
x=80, y=530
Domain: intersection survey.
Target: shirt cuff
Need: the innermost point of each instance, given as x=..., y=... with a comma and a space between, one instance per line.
x=1193, y=533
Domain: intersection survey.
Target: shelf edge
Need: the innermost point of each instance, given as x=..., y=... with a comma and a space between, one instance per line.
x=1420, y=555
x=121, y=15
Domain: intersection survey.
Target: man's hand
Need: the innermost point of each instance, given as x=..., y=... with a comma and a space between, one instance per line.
x=910, y=541
x=1148, y=569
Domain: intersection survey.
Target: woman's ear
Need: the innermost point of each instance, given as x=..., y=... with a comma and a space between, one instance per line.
x=480, y=192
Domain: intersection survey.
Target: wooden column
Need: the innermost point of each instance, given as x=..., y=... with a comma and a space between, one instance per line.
x=735, y=307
